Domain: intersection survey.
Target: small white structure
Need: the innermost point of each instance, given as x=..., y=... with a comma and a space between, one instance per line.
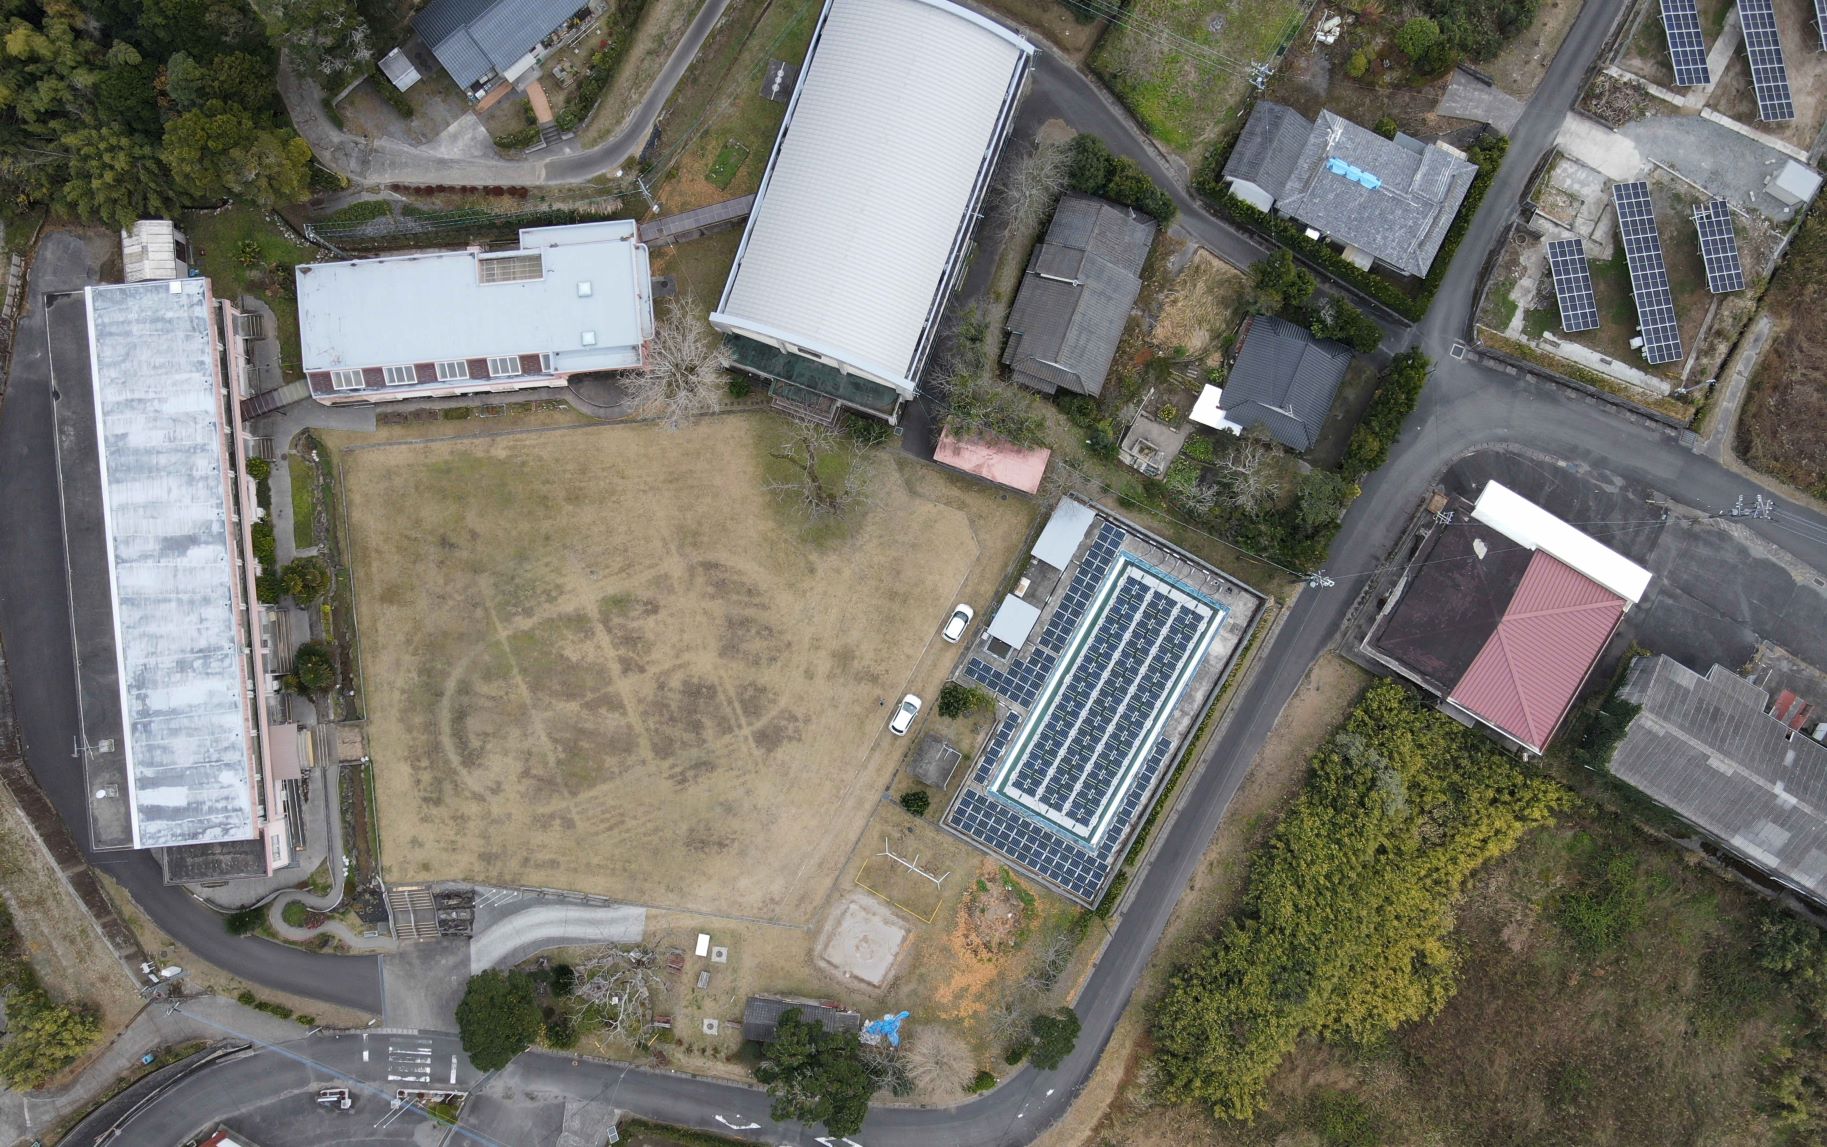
x=399, y=69
x=1013, y=622
x=154, y=250
x=1527, y=524
x=703, y=944
x=1794, y=185
x=1208, y=410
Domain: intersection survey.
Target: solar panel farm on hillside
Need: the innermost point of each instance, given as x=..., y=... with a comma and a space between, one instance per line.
x=1764, y=49
x=1686, y=48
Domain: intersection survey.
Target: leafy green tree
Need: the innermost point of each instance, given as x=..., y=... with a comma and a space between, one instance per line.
x=1387, y=127
x=1357, y=65
x=815, y=1076
x=43, y=1037
x=1088, y=163
x=305, y=579
x=1322, y=497
x=112, y=178
x=498, y=1018
x=218, y=150
x=1417, y=36
x=561, y=1032
x=313, y=669
x=1054, y=1038
x=564, y=980
x=1338, y=319
x=916, y=801
x=245, y=922
x=1280, y=282
x=327, y=37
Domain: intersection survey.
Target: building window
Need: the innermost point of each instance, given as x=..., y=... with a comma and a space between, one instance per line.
x=454, y=370
x=545, y=362
x=346, y=379
x=400, y=375
x=504, y=366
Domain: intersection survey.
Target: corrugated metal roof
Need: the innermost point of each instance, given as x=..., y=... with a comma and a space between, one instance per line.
x=474, y=38
x=1532, y=666
x=432, y=307
x=1706, y=748
x=1064, y=334
x=1014, y=621
x=874, y=183
x=1064, y=531
x=186, y=715
x=1284, y=380
x=1526, y=523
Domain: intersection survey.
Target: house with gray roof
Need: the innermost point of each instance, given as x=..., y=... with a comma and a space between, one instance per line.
x=1075, y=297
x=1384, y=201
x=1711, y=750
x=1284, y=380
x=477, y=40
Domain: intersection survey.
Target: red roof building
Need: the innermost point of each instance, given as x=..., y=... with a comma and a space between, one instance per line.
x=994, y=460
x=1530, y=669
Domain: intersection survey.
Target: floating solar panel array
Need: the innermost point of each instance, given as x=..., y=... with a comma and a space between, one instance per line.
x=1573, y=285
x=1078, y=869
x=1648, y=274
x=1765, y=50
x=1686, y=49
x=1719, y=247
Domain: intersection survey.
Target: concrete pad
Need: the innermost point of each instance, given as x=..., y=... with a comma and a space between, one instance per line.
x=1600, y=148
x=422, y=983
x=862, y=939
x=465, y=138
x=1467, y=98
x=543, y=925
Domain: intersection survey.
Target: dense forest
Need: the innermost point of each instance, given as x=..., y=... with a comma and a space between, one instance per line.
x=111, y=110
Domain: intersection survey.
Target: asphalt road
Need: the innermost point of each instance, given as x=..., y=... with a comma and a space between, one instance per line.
x=35, y=625
x=1466, y=409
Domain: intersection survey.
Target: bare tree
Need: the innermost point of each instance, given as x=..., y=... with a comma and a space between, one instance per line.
x=1248, y=482
x=1049, y=962
x=1030, y=185
x=686, y=369
x=1009, y=1017
x=939, y=1062
x=887, y=1067
x=818, y=491
x=619, y=984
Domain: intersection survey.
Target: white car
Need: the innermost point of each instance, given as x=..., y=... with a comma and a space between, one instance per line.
x=960, y=620
x=904, y=715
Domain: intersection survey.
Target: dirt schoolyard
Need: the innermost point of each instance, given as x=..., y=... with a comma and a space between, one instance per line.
x=596, y=658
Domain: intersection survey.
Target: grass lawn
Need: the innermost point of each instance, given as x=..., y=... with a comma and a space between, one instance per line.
x=728, y=162
x=700, y=267
x=593, y=660
x=1186, y=103
x=216, y=240
x=304, y=502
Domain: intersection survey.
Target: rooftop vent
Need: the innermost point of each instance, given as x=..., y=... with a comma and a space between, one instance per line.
x=583, y=289
x=589, y=338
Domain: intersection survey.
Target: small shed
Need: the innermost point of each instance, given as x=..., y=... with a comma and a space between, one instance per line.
x=1794, y=184
x=399, y=69
x=1013, y=622
x=933, y=761
x=1065, y=530
x=154, y=250
x=761, y=1016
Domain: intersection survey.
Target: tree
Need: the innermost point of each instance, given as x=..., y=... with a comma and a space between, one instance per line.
x=564, y=980
x=829, y=473
x=1280, y=282
x=816, y=1076
x=1387, y=127
x=939, y=1061
x=498, y=1018
x=1088, y=164
x=327, y=37
x=916, y=802
x=1321, y=498
x=1337, y=319
x=313, y=669
x=1417, y=36
x=1054, y=1037
x=1357, y=65
x=979, y=405
x=1246, y=480
x=244, y=922
x=217, y=150
x=112, y=178
x=305, y=579
x=685, y=372
x=1031, y=185
x=43, y=1037
x=561, y=1032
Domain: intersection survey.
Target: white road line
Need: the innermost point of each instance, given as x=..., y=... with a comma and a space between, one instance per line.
x=453, y=1069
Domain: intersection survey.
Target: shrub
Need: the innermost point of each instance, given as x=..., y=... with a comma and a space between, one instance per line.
x=259, y=469
x=294, y=913
x=305, y=579
x=1018, y=1051
x=1088, y=162
x=268, y=588
x=1054, y=1038
x=1091, y=169
x=739, y=385
x=518, y=139
x=867, y=431
x=561, y=1032
x=567, y=120
x=1338, y=319
x=266, y=548
x=396, y=99
x=1597, y=915
x=498, y=1018
x=313, y=669
x=957, y=700
x=1398, y=390
x=916, y=801
x=564, y=980
x=1357, y=65
x=43, y=1037
x=244, y=923
x=982, y=1083
x=1168, y=412
x=1387, y=127
x=1417, y=36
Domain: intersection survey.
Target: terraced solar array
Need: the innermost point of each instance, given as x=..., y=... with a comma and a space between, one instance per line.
x=1686, y=48
x=1719, y=247
x=1764, y=48
x=1573, y=285
x=1656, y=320
x=1062, y=781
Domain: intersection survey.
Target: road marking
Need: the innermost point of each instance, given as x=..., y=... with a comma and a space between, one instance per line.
x=453, y=1069
x=364, y=1055
x=737, y=1126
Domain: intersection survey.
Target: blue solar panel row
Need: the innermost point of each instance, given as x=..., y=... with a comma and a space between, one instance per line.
x=1764, y=49
x=1080, y=870
x=1023, y=680
x=1686, y=48
x=1656, y=319
x=992, y=752
x=1084, y=587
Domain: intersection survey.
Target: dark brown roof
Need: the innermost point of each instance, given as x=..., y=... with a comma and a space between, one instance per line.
x=761, y=1015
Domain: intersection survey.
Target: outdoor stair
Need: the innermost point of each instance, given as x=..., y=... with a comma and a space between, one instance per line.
x=819, y=414
x=413, y=911
x=549, y=133
x=268, y=401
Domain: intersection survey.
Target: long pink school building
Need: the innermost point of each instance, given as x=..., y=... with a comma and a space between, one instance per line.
x=571, y=300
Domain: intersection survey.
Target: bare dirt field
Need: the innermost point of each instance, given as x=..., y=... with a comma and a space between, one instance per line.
x=601, y=659
x=1524, y=60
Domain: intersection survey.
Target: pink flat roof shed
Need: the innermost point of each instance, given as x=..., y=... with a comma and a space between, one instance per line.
x=1004, y=463
x=1531, y=668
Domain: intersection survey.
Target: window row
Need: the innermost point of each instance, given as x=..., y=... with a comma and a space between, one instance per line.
x=450, y=370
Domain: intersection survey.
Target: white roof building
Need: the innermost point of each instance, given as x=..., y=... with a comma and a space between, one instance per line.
x=571, y=300
x=190, y=720
x=1795, y=184
x=1527, y=524
x=868, y=202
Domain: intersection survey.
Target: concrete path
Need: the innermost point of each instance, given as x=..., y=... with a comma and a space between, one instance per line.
x=1469, y=98
x=1731, y=396
x=543, y=925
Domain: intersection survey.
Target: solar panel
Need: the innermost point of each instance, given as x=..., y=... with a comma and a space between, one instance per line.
x=1573, y=285
x=1719, y=247
x=1765, y=50
x=1648, y=273
x=1686, y=48
x=1820, y=21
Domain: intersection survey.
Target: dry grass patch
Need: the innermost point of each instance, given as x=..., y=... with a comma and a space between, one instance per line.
x=1201, y=306
x=595, y=659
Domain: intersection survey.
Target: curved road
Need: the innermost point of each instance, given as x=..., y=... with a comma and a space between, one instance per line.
x=1466, y=408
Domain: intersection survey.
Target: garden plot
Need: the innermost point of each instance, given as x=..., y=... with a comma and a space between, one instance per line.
x=600, y=659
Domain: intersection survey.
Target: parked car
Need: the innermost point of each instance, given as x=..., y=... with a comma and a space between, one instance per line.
x=904, y=715
x=960, y=621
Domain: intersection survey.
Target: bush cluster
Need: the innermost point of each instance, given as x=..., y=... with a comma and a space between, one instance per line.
x=916, y=801
x=1093, y=169
x=956, y=700
x=44, y=1036
x=1398, y=390
x=519, y=139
